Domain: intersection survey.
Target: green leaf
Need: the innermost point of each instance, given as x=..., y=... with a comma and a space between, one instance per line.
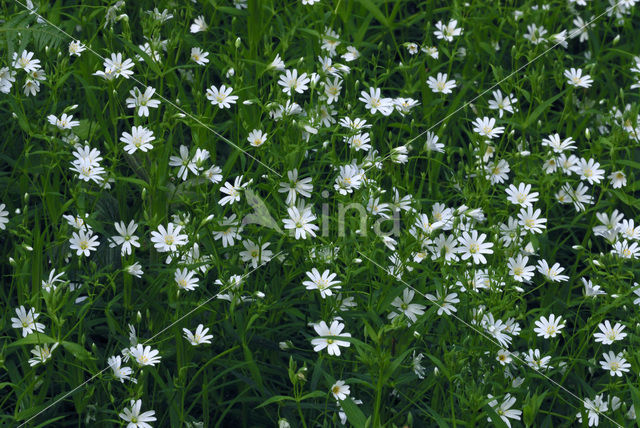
x=276, y=399
x=629, y=200
x=313, y=394
x=542, y=107
x=495, y=418
x=78, y=351
x=375, y=11
x=33, y=339
x=353, y=412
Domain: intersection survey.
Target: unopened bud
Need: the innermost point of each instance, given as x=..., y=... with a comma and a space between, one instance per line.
x=302, y=374
x=238, y=42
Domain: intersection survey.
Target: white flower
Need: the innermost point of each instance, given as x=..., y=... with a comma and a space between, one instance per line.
x=142, y=101
x=359, y=142
x=257, y=138
x=42, y=354
x=144, y=356
x=497, y=172
x=135, y=418
x=277, y=63
x=351, y=55
x=446, y=304
x=501, y=103
x=589, y=170
x=374, y=102
x=169, y=239
x=76, y=48
x=323, y=283
x=504, y=410
x=349, y=179
x=199, y=56
x=49, y=284
x=504, y=357
x=618, y=179
x=616, y=364
x=295, y=186
x=186, y=279
x=416, y=365
x=591, y=290
x=519, y=270
x=332, y=342
x=65, y=121
x=521, y=195
x=626, y=251
x=199, y=25
x=4, y=217
x=609, y=334
x=199, y=337
x=472, y=245
x=291, y=81
x=535, y=34
x=139, y=139
x=332, y=89
x=440, y=84
x=221, y=97
x=575, y=78
x=557, y=144
x=135, y=270
x=535, y=362
x=233, y=192
x=447, y=32
x=552, y=273
x=119, y=372
x=255, y=253
x=230, y=231
x=84, y=242
x=184, y=162
x=531, y=220
x=548, y=327
x=7, y=78
x=25, y=61
x=486, y=127
x=444, y=245
x=126, y=238
x=27, y=321
x=300, y=222
x=340, y=390
x=412, y=48
x=116, y=67
x=214, y=174
x=595, y=408
x=432, y=144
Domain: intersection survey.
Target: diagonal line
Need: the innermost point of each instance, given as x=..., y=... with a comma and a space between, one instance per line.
x=180, y=109
x=146, y=341
x=491, y=339
x=570, y=36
